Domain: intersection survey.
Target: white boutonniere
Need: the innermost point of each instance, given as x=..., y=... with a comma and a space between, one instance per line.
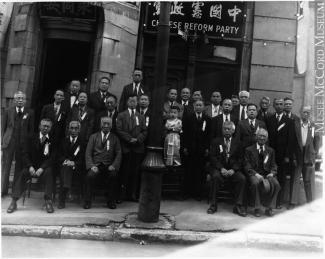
x=46, y=149
x=266, y=158
x=76, y=151
x=76, y=102
x=147, y=121
x=137, y=120
x=25, y=116
x=83, y=116
x=281, y=126
x=59, y=118
x=312, y=132
x=221, y=149
x=141, y=91
x=203, y=125
x=107, y=145
x=258, y=127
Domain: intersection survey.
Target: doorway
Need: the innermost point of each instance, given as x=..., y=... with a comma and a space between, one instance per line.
x=62, y=61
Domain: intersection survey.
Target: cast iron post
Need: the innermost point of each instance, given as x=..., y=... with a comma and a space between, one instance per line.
x=153, y=165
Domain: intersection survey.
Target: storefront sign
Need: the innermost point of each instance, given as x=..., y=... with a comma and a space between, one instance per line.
x=86, y=10
x=225, y=19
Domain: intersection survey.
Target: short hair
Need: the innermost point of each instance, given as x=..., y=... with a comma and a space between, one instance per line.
x=288, y=99
x=144, y=95
x=113, y=96
x=74, y=80
x=186, y=88
x=61, y=90
x=132, y=95
x=19, y=92
x=277, y=99
x=104, y=118
x=261, y=130
x=200, y=100
x=104, y=77
x=174, y=107
x=266, y=98
x=137, y=69
x=243, y=92
x=172, y=88
x=226, y=100
x=215, y=92
x=251, y=104
x=229, y=123
x=47, y=120
x=197, y=91
x=82, y=92
x=235, y=96
x=77, y=122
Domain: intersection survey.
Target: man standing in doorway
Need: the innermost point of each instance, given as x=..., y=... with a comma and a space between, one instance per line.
x=214, y=109
x=240, y=111
x=135, y=88
x=17, y=125
x=71, y=96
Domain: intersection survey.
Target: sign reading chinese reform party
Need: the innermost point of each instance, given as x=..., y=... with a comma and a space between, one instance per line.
x=225, y=19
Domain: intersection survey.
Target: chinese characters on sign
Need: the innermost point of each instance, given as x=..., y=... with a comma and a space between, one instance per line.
x=215, y=18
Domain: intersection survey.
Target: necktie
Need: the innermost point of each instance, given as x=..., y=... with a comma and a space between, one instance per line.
x=104, y=139
x=227, y=118
x=198, y=117
x=260, y=158
x=81, y=112
x=228, y=145
x=20, y=112
x=278, y=118
x=142, y=112
x=252, y=126
x=135, y=90
x=43, y=138
x=133, y=118
x=242, y=115
x=73, y=140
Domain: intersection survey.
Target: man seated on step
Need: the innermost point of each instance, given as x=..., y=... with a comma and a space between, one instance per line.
x=226, y=157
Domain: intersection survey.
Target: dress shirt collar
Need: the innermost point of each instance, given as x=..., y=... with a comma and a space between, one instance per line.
x=252, y=121
x=226, y=116
x=276, y=115
x=75, y=139
x=184, y=102
x=144, y=110
x=305, y=124
x=130, y=111
x=41, y=135
x=22, y=109
x=103, y=135
x=259, y=147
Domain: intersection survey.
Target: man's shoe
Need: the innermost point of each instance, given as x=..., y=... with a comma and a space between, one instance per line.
x=12, y=207
x=240, y=211
x=291, y=206
x=111, y=205
x=278, y=207
x=49, y=206
x=61, y=205
x=257, y=213
x=87, y=205
x=269, y=212
x=118, y=201
x=212, y=209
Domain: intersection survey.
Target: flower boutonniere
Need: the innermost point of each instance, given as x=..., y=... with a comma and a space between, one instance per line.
x=25, y=116
x=221, y=148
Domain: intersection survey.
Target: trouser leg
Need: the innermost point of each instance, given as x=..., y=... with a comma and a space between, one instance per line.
x=19, y=183
x=48, y=179
x=89, y=184
x=255, y=191
x=7, y=157
x=271, y=199
x=294, y=184
x=239, y=181
x=307, y=173
x=281, y=179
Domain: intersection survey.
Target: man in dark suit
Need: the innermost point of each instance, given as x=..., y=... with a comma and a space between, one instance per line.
x=263, y=112
x=280, y=129
x=98, y=99
x=240, y=111
x=217, y=122
x=306, y=142
x=214, y=109
x=132, y=130
x=246, y=129
x=226, y=160
x=196, y=132
x=17, y=124
x=84, y=115
x=111, y=112
x=288, y=102
x=171, y=101
x=103, y=160
x=135, y=88
x=261, y=170
x=186, y=102
x=57, y=114
x=143, y=108
x=71, y=158
x=38, y=158
x=71, y=96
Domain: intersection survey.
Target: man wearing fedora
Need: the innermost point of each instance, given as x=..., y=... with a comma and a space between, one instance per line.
x=261, y=170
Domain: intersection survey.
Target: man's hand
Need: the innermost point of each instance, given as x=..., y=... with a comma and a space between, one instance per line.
x=39, y=172
x=111, y=168
x=94, y=169
x=32, y=171
x=133, y=140
x=231, y=172
x=270, y=175
x=259, y=177
x=224, y=172
x=286, y=160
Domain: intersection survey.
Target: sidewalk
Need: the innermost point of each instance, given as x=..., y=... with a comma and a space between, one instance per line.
x=180, y=221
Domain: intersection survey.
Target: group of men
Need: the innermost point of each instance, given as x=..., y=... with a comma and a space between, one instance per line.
x=89, y=140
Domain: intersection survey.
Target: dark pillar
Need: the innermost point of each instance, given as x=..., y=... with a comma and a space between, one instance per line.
x=153, y=165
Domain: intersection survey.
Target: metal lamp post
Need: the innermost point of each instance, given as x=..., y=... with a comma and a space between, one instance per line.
x=153, y=165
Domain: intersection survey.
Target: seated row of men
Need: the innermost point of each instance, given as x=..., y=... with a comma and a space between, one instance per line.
x=294, y=151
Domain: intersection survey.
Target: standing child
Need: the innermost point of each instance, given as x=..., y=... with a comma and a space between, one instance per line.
x=172, y=145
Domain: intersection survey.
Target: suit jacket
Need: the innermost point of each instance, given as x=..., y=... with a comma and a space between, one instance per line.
x=293, y=117
x=96, y=102
x=8, y=124
x=246, y=134
x=97, y=153
x=279, y=136
x=58, y=121
x=251, y=161
x=187, y=109
x=196, y=133
x=166, y=108
x=126, y=129
x=216, y=125
x=33, y=153
x=218, y=154
x=105, y=114
x=127, y=91
x=146, y=115
x=208, y=110
x=235, y=112
x=75, y=152
x=311, y=146
x=66, y=102
x=87, y=122
x=263, y=117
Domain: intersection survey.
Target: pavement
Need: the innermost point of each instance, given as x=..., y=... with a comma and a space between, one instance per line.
x=179, y=222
